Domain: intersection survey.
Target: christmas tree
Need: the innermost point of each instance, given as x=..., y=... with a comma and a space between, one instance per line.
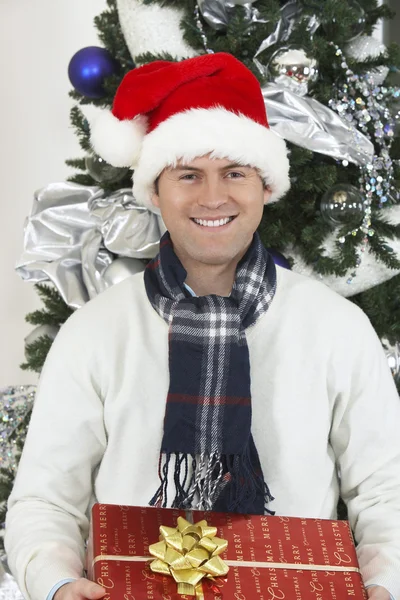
x=329, y=90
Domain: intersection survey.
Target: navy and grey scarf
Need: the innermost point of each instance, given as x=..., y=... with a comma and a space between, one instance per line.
x=207, y=443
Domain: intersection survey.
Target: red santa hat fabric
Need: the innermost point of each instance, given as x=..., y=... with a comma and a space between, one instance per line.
x=164, y=112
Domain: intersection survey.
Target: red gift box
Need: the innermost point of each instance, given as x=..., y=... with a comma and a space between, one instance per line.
x=269, y=557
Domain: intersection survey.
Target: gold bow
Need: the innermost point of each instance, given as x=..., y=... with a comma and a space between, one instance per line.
x=189, y=553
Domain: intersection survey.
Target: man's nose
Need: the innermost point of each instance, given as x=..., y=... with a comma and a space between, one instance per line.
x=212, y=194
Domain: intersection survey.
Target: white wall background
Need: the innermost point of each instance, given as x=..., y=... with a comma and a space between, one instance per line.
x=37, y=41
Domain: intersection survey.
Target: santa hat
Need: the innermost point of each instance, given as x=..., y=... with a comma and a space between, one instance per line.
x=167, y=111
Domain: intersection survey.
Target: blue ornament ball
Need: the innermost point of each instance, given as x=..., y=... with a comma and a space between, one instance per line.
x=88, y=69
x=279, y=259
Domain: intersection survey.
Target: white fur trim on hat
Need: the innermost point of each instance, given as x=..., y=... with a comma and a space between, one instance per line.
x=118, y=142
x=218, y=132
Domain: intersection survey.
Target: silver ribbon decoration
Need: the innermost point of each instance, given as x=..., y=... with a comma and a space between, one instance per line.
x=306, y=122
x=218, y=13
x=291, y=13
x=73, y=233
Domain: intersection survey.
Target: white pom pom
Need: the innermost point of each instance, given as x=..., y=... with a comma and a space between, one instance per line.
x=118, y=142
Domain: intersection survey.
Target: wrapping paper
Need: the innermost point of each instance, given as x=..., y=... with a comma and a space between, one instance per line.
x=269, y=557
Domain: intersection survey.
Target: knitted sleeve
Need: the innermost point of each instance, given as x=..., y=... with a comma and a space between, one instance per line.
x=366, y=441
x=46, y=522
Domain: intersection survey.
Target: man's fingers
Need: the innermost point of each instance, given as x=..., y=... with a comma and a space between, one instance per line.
x=378, y=592
x=81, y=589
x=91, y=590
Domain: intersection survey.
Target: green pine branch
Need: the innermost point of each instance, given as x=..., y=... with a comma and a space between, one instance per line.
x=147, y=57
x=56, y=311
x=382, y=305
x=81, y=127
x=383, y=252
x=76, y=163
x=111, y=36
x=36, y=354
x=82, y=179
x=384, y=228
x=6, y=485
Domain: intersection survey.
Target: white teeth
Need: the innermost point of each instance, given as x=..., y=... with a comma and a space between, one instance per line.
x=217, y=223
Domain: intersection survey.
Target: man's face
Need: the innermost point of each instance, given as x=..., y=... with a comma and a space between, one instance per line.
x=211, y=207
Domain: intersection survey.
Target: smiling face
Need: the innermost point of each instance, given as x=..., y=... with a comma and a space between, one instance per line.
x=211, y=208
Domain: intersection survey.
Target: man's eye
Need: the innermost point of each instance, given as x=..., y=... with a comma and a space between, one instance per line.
x=235, y=175
x=188, y=177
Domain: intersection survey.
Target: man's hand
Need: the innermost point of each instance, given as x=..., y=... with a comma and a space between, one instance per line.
x=378, y=592
x=81, y=589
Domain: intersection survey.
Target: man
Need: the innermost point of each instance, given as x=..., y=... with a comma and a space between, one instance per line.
x=218, y=380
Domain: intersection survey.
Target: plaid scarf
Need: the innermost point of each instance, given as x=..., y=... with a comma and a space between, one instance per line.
x=208, y=411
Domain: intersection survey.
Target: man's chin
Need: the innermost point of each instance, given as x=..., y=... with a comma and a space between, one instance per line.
x=213, y=259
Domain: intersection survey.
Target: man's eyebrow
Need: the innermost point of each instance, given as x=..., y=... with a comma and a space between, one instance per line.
x=184, y=168
x=235, y=166
x=189, y=168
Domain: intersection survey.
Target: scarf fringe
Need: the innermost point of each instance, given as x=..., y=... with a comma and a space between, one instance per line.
x=212, y=475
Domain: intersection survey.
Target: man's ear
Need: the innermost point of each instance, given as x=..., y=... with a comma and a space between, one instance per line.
x=155, y=193
x=267, y=194
x=155, y=199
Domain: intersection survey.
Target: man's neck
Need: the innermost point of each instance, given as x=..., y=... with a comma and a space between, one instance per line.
x=213, y=279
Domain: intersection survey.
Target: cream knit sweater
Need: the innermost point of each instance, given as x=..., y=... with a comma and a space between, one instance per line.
x=323, y=403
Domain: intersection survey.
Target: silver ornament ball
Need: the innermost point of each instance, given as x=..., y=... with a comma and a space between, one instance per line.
x=293, y=69
x=103, y=172
x=122, y=268
x=359, y=24
x=342, y=205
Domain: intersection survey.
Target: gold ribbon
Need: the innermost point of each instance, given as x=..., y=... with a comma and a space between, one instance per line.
x=240, y=563
x=189, y=553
